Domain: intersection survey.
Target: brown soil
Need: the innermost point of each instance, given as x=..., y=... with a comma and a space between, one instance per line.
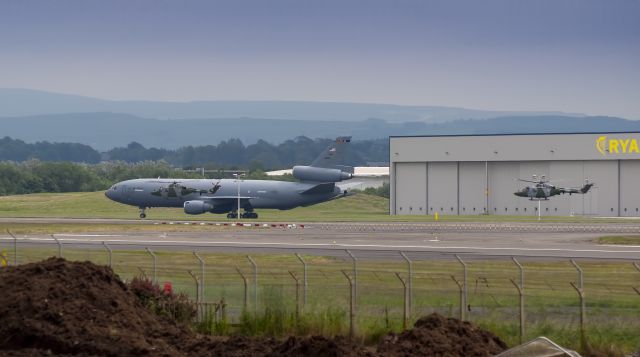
x=435, y=335
x=65, y=308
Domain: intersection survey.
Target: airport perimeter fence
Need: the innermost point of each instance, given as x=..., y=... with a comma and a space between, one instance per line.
x=362, y=291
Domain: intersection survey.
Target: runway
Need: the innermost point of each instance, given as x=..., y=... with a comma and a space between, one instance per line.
x=365, y=240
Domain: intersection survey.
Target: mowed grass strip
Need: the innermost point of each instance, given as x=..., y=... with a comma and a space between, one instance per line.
x=359, y=207
x=626, y=240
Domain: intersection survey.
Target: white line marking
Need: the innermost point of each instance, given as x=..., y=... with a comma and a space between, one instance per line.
x=87, y=235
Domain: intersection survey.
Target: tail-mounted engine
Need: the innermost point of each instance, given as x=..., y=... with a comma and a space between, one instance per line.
x=320, y=174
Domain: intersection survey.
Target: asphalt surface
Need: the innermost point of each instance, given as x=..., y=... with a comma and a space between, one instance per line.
x=365, y=240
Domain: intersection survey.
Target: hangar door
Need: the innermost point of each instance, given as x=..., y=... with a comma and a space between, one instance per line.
x=443, y=187
x=411, y=188
x=630, y=194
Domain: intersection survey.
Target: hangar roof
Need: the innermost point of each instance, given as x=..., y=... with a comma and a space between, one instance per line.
x=515, y=147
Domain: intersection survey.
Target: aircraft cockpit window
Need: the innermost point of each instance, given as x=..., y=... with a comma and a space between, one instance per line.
x=114, y=187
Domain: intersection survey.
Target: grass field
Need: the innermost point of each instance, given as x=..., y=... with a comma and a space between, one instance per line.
x=552, y=306
x=626, y=240
x=359, y=207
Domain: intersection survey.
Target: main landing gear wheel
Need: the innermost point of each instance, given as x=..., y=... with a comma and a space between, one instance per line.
x=143, y=213
x=249, y=215
x=232, y=215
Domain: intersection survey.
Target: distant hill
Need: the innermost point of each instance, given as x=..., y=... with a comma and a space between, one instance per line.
x=25, y=102
x=104, y=131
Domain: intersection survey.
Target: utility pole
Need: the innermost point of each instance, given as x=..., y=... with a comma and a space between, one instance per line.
x=238, y=175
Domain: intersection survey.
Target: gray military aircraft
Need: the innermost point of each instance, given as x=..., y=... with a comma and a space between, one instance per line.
x=543, y=189
x=317, y=184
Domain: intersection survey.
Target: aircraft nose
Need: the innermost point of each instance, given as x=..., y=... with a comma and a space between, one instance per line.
x=110, y=193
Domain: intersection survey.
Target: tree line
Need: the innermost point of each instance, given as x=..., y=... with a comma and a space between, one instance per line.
x=39, y=176
x=229, y=154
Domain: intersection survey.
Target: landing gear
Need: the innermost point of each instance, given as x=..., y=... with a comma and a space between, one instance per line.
x=251, y=214
x=143, y=213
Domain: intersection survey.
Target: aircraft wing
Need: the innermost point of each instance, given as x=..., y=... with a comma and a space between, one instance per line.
x=320, y=188
x=224, y=199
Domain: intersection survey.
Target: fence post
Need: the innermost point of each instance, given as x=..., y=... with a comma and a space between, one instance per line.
x=295, y=278
x=15, y=248
x=255, y=286
x=405, y=315
x=304, y=280
x=59, y=245
x=352, y=310
x=202, y=281
x=144, y=274
x=244, y=280
x=109, y=251
x=520, y=288
x=355, y=275
x=155, y=276
x=409, y=280
x=461, y=297
x=464, y=283
x=583, y=313
x=198, y=302
x=637, y=266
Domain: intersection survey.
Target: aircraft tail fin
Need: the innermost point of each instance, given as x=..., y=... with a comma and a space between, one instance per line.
x=333, y=155
x=586, y=187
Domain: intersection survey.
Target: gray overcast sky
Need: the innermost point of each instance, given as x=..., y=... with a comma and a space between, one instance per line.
x=569, y=55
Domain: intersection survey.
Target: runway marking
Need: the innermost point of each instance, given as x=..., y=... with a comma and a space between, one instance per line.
x=87, y=235
x=329, y=245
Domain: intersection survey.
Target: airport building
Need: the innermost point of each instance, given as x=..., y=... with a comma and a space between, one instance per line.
x=478, y=174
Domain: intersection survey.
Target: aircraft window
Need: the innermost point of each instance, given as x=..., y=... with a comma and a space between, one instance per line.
x=441, y=209
x=410, y=208
x=421, y=208
x=625, y=209
x=431, y=208
x=505, y=209
x=611, y=209
x=114, y=187
x=556, y=209
x=516, y=209
x=401, y=208
x=547, y=209
x=474, y=208
x=636, y=209
x=495, y=209
x=451, y=209
x=464, y=209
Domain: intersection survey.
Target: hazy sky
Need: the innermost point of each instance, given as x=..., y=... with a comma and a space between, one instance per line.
x=573, y=55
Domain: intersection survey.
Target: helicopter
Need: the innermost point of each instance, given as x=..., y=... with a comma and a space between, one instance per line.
x=543, y=189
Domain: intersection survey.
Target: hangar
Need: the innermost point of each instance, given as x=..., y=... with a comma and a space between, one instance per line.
x=478, y=174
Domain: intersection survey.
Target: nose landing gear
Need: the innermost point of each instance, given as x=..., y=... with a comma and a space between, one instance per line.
x=143, y=213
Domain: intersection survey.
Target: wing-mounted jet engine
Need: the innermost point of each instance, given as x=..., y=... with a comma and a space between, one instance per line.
x=197, y=207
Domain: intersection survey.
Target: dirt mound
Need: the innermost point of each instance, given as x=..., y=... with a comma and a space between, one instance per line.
x=319, y=346
x=435, y=335
x=77, y=308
